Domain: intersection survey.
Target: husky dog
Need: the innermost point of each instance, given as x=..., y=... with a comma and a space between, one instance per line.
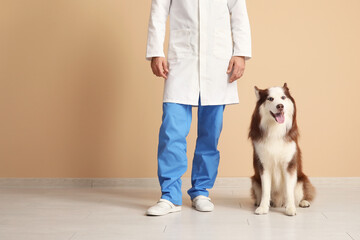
x=278, y=180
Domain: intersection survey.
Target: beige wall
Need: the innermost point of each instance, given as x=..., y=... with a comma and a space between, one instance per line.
x=78, y=99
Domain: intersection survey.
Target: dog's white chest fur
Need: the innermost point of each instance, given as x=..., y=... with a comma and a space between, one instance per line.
x=275, y=153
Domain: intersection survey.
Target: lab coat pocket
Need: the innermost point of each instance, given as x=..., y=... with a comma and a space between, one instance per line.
x=222, y=45
x=179, y=44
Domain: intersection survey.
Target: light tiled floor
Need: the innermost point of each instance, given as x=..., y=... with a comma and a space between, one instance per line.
x=118, y=213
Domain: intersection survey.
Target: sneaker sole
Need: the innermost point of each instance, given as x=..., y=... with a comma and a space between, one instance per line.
x=206, y=210
x=176, y=209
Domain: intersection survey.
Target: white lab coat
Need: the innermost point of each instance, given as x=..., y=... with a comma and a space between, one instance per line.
x=204, y=34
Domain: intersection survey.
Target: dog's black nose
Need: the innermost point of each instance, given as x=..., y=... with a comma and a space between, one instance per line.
x=280, y=106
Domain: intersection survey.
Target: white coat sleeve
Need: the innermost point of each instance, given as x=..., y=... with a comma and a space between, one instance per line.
x=240, y=28
x=157, y=28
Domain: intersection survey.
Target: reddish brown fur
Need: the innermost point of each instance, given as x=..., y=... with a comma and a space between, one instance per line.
x=256, y=134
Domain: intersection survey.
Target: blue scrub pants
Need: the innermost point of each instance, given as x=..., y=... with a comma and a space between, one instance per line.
x=172, y=159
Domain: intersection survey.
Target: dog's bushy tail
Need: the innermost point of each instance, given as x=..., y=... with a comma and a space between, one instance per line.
x=308, y=188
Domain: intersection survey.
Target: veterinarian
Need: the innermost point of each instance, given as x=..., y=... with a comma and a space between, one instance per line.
x=208, y=45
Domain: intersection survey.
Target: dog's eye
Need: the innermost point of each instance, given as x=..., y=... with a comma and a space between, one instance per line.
x=283, y=97
x=270, y=99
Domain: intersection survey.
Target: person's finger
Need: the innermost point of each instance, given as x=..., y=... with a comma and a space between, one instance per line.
x=235, y=73
x=232, y=77
x=165, y=66
x=230, y=67
x=162, y=74
x=161, y=70
x=235, y=76
x=154, y=69
x=241, y=73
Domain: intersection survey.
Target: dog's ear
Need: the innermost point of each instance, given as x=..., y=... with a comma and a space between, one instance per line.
x=257, y=92
x=285, y=86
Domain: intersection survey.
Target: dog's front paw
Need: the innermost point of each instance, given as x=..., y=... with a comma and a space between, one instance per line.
x=304, y=204
x=290, y=210
x=262, y=210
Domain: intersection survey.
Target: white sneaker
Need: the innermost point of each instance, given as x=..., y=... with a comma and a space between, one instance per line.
x=202, y=204
x=162, y=207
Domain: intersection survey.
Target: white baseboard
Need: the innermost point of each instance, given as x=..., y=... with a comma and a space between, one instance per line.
x=232, y=182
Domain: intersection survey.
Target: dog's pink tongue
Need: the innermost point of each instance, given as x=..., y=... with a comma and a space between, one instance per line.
x=280, y=118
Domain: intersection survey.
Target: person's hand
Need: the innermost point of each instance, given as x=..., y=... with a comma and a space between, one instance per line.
x=159, y=67
x=237, y=66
